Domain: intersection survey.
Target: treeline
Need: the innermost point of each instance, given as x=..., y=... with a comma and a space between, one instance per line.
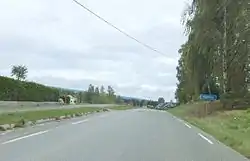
x=216, y=57
x=96, y=94
x=15, y=90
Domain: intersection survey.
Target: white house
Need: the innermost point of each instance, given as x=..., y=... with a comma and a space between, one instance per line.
x=72, y=100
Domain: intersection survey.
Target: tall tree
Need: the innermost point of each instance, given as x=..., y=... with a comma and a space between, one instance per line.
x=216, y=56
x=90, y=94
x=97, y=92
x=161, y=100
x=111, y=91
x=91, y=89
x=19, y=71
x=102, y=90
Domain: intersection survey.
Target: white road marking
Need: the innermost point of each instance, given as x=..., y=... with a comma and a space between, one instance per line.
x=205, y=138
x=24, y=137
x=78, y=122
x=40, y=124
x=187, y=125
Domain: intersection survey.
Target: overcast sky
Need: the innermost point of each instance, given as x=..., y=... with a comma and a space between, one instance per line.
x=63, y=45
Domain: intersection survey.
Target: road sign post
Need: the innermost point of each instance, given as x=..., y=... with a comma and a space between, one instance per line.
x=208, y=97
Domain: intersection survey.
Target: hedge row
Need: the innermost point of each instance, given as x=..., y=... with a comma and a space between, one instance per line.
x=13, y=90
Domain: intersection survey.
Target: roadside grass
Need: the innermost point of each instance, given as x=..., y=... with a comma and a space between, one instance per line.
x=19, y=117
x=230, y=127
x=121, y=107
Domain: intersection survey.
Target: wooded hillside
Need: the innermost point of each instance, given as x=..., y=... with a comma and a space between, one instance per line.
x=15, y=90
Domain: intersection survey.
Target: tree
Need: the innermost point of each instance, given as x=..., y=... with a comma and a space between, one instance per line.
x=161, y=100
x=97, y=92
x=91, y=89
x=111, y=91
x=142, y=102
x=102, y=90
x=20, y=72
x=90, y=94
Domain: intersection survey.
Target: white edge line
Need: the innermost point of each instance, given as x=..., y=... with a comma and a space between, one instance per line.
x=187, y=125
x=205, y=138
x=179, y=120
x=24, y=137
x=78, y=122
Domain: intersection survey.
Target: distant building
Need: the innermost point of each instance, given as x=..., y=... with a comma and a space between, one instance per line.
x=72, y=100
x=61, y=101
x=68, y=99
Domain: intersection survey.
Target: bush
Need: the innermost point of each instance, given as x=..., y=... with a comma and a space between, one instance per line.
x=235, y=100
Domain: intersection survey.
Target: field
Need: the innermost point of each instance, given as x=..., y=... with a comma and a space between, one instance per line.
x=16, y=117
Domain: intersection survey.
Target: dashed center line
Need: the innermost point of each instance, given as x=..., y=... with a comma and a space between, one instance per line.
x=24, y=137
x=205, y=138
x=78, y=122
x=187, y=125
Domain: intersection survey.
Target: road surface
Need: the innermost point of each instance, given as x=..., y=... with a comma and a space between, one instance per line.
x=12, y=106
x=132, y=135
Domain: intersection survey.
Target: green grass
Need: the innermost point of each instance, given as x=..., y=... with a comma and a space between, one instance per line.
x=230, y=127
x=16, y=117
x=121, y=107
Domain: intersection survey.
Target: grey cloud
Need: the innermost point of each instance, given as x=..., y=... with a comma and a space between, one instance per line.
x=61, y=39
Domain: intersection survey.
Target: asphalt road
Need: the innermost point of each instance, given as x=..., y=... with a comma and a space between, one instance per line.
x=133, y=135
x=12, y=106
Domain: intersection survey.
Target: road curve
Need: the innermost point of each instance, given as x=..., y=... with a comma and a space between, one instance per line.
x=133, y=135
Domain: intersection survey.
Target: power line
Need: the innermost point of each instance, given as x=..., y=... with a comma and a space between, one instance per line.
x=110, y=24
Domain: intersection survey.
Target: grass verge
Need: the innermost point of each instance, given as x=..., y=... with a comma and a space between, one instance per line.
x=230, y=127
x=121, y=107
x=16, y=117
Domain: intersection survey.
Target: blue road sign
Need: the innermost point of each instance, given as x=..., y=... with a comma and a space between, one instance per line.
x=208, y=97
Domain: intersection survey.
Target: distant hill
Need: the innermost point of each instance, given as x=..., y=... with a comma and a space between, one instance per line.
x=77, y=90
x=130, y=98
x=67, y=89
x=72, y=90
